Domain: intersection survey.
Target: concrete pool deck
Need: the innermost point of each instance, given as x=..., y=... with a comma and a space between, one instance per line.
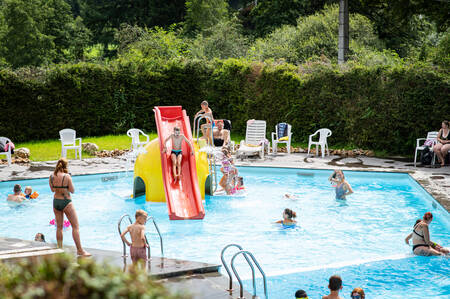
x=434, y=180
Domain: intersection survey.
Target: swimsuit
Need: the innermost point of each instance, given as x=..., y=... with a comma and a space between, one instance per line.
x=60, y=204
x=226, y=164
x=340, y=191
x=419, y=245
x=218, y=141
x=176, y=152
x=138, y=253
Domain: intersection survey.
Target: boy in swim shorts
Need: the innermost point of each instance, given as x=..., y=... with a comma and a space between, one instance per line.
x=176, y=153
x=138, y=245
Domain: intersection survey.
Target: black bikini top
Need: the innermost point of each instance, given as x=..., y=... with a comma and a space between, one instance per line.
x=62, y=183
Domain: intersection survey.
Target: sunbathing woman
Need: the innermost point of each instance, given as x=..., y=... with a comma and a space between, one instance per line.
x=206, y=128
x=422, y=245
x=443, y=146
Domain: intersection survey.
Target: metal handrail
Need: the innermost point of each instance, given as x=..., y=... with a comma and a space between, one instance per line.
x=120, y=233
x=245, y=252
x=212, y=158
x=228, y=269
x=160, y=238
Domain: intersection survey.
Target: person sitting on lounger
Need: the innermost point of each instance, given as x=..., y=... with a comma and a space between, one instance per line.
x=443, y=146
x=221, y=135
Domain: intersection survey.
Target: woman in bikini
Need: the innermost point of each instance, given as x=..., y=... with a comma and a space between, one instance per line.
x=61, y=184
x=420, y=235
x=443, y=146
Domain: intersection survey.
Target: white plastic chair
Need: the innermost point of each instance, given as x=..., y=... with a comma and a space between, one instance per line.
x=323, y=135
x=255, y=139
x=135, y=141
x=7, y=153
x=431, y=136
x=276, y=141
x=69, y=141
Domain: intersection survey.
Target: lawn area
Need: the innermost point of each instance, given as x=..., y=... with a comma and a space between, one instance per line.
x=51, y=149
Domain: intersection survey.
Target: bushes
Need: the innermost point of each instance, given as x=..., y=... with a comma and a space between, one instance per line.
x=377, y=107
x=59, y=276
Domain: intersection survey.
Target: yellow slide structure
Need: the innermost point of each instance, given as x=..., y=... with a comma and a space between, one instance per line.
x=148, y=177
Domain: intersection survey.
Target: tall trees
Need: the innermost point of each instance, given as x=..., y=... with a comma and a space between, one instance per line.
x=203, y=14
x=37, y=32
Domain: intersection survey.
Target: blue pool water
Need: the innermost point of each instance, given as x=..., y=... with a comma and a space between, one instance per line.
x=362, y=238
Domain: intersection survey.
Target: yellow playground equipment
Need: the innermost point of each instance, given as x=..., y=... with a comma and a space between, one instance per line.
x=148, y=177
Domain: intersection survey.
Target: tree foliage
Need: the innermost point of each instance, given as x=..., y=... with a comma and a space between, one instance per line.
x=203, y=14
x=39, y=32
x=314, y=36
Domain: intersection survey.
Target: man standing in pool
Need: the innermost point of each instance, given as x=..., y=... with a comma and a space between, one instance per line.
x=176, y=153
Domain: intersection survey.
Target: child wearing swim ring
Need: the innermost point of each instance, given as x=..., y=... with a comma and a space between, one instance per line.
x=288, y=217
x=176, y=153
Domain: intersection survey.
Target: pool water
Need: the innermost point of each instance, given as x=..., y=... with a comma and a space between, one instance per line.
x=361, y=238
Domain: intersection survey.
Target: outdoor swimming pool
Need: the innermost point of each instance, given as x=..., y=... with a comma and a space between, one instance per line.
x=362, y=239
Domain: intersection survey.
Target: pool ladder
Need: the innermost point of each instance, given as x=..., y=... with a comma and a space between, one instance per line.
x=211, y=156
x=246, y=255
x=146, y=240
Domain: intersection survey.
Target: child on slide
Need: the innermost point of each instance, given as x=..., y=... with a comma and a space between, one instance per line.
x=176, y=153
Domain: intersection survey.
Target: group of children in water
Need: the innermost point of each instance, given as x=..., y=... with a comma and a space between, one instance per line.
x=335, y=286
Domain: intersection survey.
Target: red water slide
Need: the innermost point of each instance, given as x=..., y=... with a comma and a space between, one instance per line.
x=183, y=198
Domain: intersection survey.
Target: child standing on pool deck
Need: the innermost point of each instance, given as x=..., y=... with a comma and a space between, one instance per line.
x=176, y=153
x=138, y=245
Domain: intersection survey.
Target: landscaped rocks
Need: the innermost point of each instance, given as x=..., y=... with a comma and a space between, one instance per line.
x=89, y=147
x=113, y=153
x=22, y=152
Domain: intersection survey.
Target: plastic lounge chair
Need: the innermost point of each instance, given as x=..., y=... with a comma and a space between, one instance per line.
x=135, y=141
x=282, y=134
x=69, y=141
x=255, y=139
x=432, y=136
x=4, y=140
x=323, y=135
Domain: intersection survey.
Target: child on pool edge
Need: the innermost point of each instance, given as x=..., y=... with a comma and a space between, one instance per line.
x=288, y=217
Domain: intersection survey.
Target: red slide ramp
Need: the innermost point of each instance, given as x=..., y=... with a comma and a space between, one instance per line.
x=183, y=198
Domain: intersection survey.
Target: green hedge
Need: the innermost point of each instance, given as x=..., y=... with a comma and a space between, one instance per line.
x=381, y=108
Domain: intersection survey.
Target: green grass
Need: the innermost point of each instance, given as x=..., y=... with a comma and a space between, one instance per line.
x=51, y=149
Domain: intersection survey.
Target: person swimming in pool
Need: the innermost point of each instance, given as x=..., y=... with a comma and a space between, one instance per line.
x=422, y=245
x=176, y=154
x=342, y=188
x=288, y=217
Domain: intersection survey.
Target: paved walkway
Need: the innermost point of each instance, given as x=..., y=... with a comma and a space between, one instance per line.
x=435, y=180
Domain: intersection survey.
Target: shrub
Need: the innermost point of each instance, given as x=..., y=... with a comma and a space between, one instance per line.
x=60, y=276
x=381, y=107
